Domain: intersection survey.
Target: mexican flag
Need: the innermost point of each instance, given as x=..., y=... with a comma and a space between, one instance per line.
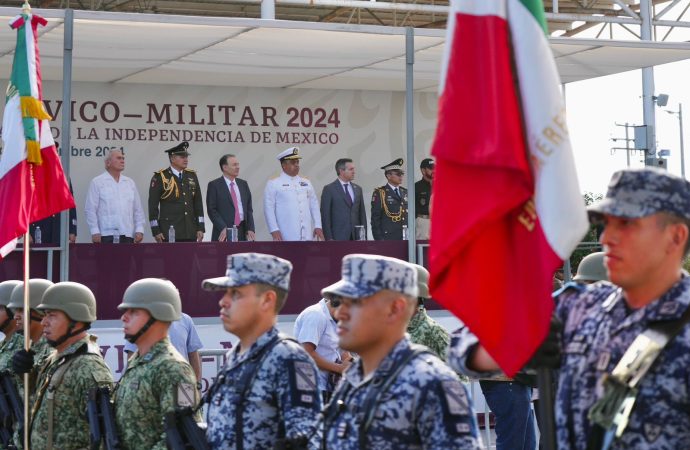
x=32, y=183
x=510, y=209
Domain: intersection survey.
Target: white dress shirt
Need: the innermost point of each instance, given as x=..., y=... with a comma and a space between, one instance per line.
x=237, y=193
x=291, y=207
x=114, y=205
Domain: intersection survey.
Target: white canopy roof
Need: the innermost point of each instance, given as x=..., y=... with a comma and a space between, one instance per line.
x=213, y=51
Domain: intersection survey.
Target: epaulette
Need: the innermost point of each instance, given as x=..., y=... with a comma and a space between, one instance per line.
x=160, y=171
x=380, y=188
x=190, y=170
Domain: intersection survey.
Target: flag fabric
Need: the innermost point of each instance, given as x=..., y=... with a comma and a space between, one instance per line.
x=509, y=205
x=32, y=183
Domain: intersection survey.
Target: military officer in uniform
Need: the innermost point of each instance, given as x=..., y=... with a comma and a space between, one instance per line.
x=12, y=341
x=422, y=198
x=175, y=200
x=397, y=394
x=58, y=420
x=158, y=379
x=266, y=396
x=290, y=204
x=389, y=204
x=623, y=348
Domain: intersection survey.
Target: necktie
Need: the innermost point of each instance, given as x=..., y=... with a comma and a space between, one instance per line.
x=348, y=199
x=397, y=192
x=234, y=203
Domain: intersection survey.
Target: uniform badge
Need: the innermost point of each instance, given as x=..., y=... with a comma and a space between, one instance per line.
x=303, y=183
x=186, y=395
x=302, y=382
x=668, y=309
x=456, y=398
x=603, y=361
x=651, y=431
x=422, y=201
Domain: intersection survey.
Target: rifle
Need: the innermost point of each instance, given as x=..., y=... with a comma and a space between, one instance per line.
x=99, y=411
x=11, y=409
x=182, y=432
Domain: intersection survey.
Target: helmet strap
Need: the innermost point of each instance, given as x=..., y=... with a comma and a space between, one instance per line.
x=132, y=338
x=70, y=333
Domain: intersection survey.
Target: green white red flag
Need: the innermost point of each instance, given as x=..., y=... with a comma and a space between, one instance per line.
x=32, y=183
x=504, y=163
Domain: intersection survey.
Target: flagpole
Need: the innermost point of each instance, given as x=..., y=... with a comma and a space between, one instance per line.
x=27, y=336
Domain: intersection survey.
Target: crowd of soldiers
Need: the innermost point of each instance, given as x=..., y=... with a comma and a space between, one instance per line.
x=620, y=349
x=292, y=210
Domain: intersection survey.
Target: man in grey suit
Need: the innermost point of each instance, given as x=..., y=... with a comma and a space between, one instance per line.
x=229, y=202
x=342, y=205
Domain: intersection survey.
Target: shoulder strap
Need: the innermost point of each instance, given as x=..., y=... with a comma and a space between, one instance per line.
x=380, y=385
x=48, y=389
x=246, y=380
x=609, y=415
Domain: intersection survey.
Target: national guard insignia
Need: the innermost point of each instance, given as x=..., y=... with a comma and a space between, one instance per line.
x=651, y=431
x=303, y=382
x=186, y=395
x=456, y=399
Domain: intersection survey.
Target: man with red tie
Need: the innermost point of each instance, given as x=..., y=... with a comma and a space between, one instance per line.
x=229, y=203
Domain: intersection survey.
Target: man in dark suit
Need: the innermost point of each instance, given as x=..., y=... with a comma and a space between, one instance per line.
x=229, y=202
x=389, y=204
x=342, y=205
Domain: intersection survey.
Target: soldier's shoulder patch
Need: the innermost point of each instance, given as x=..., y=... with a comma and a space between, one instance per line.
x=455, y=398
x=100, y=378
x=185, y=395
x=303, y=385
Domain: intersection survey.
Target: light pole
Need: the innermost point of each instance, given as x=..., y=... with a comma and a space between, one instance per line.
x=679, y=113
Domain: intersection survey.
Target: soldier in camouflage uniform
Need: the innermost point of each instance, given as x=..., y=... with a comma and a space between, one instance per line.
x=158, y=380
x=389, y=204
x=8, y=325
x=408, y=398
x=280, y=402
x=177, y=191
x=423, y=329
x=646, y=213
x=58, y=419
x=27, y=361
x=31, y=361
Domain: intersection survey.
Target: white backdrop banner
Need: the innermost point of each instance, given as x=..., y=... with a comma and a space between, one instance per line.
x=254, y=124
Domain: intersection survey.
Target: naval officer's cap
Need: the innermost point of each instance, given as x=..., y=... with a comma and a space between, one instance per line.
x=289, y=154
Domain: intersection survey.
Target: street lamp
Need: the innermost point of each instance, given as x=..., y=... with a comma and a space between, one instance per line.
x=679, y=113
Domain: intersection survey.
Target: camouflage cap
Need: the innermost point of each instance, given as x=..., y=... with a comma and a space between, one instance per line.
x=250, y=268
x=635, y=193
x=365, y=275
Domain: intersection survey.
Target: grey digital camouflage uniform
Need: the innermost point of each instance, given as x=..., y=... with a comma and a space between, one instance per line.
x=248, y=268
x=152, y=385
x=426, y=331
x=283, y=400
x=365, y=275
x=73, y=372
x=634, y=193
x=426, y=406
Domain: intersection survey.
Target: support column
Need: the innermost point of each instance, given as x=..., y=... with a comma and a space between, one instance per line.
x=649, y=114
x=409, y=128
x=65, y=144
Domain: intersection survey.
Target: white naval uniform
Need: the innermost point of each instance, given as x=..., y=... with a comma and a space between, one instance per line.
x=291, y=207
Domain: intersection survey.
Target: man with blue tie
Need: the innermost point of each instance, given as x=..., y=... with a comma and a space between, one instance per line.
x=342, y=205
x=229, y=202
